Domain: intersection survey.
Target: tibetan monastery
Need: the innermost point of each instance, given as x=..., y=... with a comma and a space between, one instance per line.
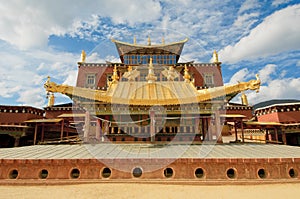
x=150, y=96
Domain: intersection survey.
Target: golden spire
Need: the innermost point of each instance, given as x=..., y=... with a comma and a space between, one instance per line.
x=215, y=57
x=83, y=56
x=115, y=76
x=163, y=40
x=244, y=99
x=151, y=76
x=51, y=100
x=186, y=75
x=134, y=40
x=149, y=40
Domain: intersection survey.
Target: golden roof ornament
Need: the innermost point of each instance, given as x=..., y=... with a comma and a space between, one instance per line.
x=170, y=74
x=131, y=74
x=215, y=57
x=151, y=76
x=244, y=99
x=83, y=56
x=134, y=40
x=149, y=40
x=186, y=75
x=51, y=99
x=115, y=76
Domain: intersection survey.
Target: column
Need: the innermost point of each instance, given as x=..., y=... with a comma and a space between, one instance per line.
x=43, y=132
x=98, y=130
x=17, y=141
x=276, y=134
x=242, y=128
x=284, y=138
x=152, y=126
x=62, y=130
x=218, y=127
x=197, y=122
x=35, y=133
x=86, y=127
x=235, y=131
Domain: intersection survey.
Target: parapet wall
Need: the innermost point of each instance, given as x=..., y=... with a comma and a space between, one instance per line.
x=195, y=169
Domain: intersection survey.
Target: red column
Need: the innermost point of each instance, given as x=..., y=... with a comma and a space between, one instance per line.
x=98, y=130
x=86, y=127
x=152, y=126
x=242, y=128
x=62, y=130
x=35, y=133
x=43, y=132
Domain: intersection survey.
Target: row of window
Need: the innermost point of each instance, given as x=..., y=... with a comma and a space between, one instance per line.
x=144, y=59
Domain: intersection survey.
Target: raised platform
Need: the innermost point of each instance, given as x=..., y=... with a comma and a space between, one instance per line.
x=151, y=162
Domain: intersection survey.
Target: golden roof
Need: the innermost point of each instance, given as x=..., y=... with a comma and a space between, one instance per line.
x=44, y=121
x=153, y=93
x=163, y=93
x=263, y=123
x=124, y=47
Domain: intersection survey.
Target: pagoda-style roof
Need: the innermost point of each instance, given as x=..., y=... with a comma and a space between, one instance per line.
x=170, y=48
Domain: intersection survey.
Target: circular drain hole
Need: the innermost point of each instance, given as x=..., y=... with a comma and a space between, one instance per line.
x=199, y=173
x=75, y=173
x=106, y=172
x=231, y=173
x=13, y=174
x=43, y=174
x=137, y=172
x=293, y=173
x=168, y=172
x=262, y=173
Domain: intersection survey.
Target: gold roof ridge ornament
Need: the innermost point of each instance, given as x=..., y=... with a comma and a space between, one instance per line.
x=186, y=76
x=149, y=40
x=170, y=73
x=83, y=56
x=131, y=74
x=115, y=76
x=151, y=78
x=244, y=99
x=215, y=57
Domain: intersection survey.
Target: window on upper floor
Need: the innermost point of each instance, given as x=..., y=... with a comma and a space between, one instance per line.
x=90, y=80
x=209, y=80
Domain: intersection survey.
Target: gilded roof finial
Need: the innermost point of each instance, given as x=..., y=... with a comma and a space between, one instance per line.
x=149, y=40
x=134, y=40
x=215, y=57
x=83, y=56
x=151, y=76
x=163, y=40
x=51, y=100
x=131, y=74
x=186, y=75
x=115, y=76
x=244, y=99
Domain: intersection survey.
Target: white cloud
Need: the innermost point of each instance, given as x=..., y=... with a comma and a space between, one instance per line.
x=33, y=97
x=240, y=76
x=265, y=73
x=277, y=33
x=287, y=88
x=28, y=24
x=279, y=2
x=249, y=5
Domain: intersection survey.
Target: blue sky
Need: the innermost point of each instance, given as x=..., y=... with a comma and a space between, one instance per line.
x=41, y=38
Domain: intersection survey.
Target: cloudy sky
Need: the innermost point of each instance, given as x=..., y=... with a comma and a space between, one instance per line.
x=41, y=38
